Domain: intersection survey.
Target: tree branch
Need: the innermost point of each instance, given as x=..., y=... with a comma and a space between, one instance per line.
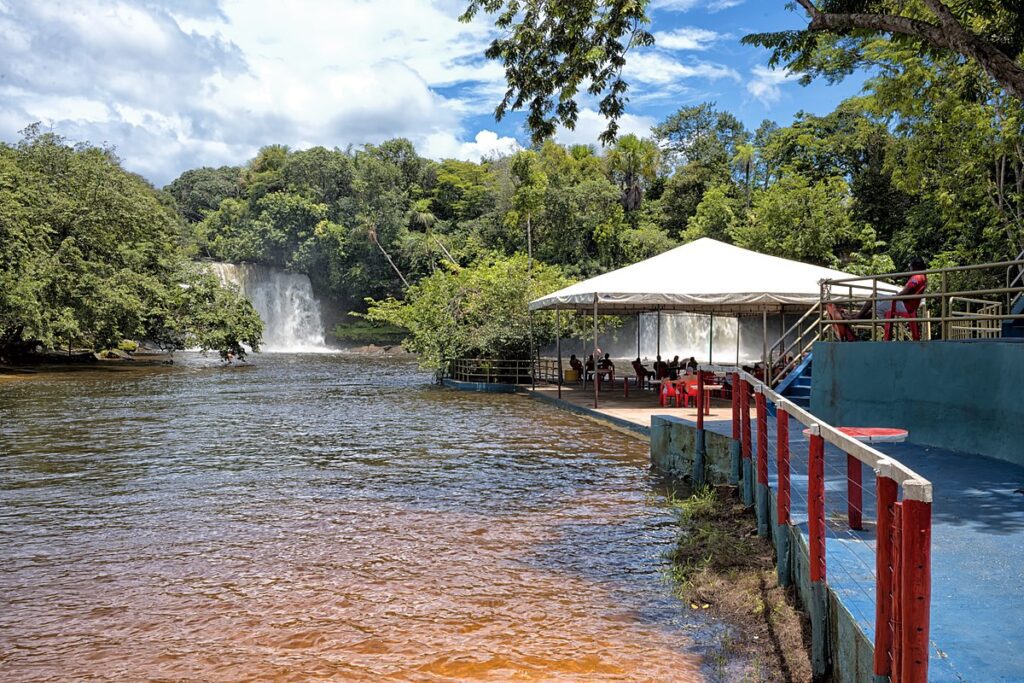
x=949, y=35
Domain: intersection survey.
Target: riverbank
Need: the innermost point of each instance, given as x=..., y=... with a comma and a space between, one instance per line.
x=719, y=564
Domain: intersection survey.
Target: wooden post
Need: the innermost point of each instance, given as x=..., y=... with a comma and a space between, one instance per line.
x=735, y=455
x=816, y=505
x=896, y=623
x=887, y=490
x=915, y=591
x=782, y=500
x=816, y=533
x=748, y=468
x=762, y=463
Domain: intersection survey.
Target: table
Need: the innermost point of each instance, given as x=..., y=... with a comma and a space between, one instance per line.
x=872, y=434
x=708, y=388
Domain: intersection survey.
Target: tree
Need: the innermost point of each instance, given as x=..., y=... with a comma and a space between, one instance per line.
x=90, y=256
x=633, y=164
x=991, y=34
x=199, y=191
x=478, y=311
x=552, y=49
x=715, y=216
x=701, y=134
x=531, y=186
x=800, y=219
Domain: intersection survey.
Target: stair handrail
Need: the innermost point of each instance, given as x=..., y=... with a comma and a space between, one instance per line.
x=1012, y=281
x=773, y=378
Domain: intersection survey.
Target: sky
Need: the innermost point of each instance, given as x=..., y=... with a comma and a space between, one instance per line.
x=178, y=84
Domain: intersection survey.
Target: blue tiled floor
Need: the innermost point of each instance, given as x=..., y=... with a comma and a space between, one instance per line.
x=977, y=616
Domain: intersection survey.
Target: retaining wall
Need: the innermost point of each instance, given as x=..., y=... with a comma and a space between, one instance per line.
x=673, y=444
x=964, y=396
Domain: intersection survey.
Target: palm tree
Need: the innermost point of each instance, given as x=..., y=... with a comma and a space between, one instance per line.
x=633, y=164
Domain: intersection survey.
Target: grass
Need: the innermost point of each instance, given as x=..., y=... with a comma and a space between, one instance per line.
x=719, y=564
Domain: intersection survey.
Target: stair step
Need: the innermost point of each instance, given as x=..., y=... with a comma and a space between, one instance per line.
x=798, y=392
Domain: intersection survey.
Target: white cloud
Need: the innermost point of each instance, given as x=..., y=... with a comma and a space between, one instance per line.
x=590, y=124
x=486, y=144
x=766, y=83
x=656, y=68
x=686, y=38
x=687, y=5
x=189, y=82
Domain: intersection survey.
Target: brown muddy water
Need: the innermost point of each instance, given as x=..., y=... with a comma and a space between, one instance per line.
x=324, y=517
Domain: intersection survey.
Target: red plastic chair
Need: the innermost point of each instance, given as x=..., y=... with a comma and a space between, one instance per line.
x=667, y=393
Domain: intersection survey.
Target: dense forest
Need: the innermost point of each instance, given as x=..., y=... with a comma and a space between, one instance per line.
x=92, y=257
x=928, y=160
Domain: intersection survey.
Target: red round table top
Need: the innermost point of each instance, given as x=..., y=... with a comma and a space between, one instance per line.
x=872, y=434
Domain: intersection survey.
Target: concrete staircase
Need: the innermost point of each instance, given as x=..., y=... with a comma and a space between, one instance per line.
x=796, y=386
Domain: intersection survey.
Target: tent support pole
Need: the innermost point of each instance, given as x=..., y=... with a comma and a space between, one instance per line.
x=597, y=352
x=638, y=335
x=658, y=344
x=764, y=346
x=738, y=341
x=711, y=340
x=558, y=347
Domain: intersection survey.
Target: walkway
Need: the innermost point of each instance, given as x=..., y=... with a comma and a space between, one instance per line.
x=977, y=618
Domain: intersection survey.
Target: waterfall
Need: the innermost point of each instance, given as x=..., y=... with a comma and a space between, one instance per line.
x=684, y=335
x=285, y=302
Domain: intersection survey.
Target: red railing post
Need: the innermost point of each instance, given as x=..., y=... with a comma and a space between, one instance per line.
x=887, y=490
x=915, y=592
x=734, y=446
x=896, y=630
x=782, y=500
x=701, y=449
x=816, y=531
x=748, y=468
x=762, y=463
x=735, y=406
x=854, y=492
x=816, y=506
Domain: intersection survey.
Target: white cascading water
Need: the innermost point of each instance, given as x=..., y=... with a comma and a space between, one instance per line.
x=685, y=335
x=285, y=302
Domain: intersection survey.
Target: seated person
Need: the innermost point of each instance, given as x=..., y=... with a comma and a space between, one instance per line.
x=691, y=365
x=673, y=368
x=576, y=364
x=606, y=363
x=904, y=308
x=660, y=369
x=641, y=371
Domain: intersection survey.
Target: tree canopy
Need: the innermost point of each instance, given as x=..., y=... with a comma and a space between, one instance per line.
x=91, y=255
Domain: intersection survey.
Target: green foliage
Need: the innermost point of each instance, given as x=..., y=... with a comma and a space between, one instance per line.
x=476, y=311
x=90, y=256
x=799, y=218
x=552, y=49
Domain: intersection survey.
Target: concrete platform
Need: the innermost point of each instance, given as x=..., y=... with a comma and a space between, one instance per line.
x=977, y=616
x=637, y=409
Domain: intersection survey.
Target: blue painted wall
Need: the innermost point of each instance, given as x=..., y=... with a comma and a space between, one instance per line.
x=966, y=396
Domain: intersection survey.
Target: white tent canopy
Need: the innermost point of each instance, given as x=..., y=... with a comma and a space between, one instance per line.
x=703, y=276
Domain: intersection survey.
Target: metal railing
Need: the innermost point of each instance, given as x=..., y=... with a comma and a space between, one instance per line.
x=936, y=305
x=783, y=358
x=902, y=565
x=489, y=370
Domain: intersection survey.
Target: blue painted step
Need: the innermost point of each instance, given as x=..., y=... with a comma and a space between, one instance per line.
x=796, y=386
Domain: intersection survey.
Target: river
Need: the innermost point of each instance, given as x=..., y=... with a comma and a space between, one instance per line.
x=324, y=517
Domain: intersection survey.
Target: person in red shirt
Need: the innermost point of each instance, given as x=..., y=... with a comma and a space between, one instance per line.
x=904, y=308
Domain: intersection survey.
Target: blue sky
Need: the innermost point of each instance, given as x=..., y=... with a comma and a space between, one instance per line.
x=176, y=84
